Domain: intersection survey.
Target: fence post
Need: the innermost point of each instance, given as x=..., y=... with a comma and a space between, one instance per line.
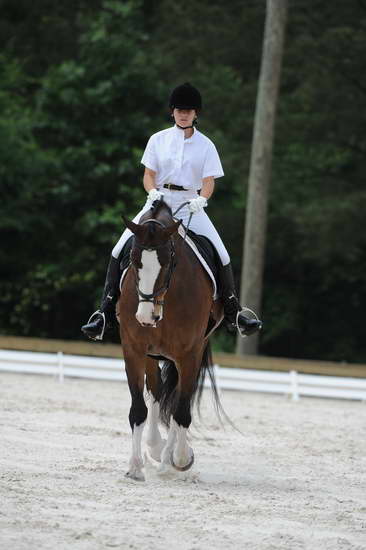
x=60, y=360
x=294, y=385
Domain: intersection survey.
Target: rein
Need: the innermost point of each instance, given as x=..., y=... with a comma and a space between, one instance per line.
x=189, y=220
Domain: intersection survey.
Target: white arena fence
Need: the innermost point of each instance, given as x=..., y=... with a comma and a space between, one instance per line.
x=290, y=383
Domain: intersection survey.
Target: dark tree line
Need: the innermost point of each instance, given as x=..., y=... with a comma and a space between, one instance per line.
x=84, y=84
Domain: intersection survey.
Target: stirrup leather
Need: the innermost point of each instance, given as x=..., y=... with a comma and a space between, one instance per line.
x=101, y=335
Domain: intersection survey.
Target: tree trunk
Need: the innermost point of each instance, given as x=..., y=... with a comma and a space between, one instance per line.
x=260, y=165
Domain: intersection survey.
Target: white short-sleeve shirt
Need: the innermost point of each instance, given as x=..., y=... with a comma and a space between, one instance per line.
x=181, y=161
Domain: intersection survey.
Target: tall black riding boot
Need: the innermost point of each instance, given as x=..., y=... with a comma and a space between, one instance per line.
x=105, y=317
x=233, y=315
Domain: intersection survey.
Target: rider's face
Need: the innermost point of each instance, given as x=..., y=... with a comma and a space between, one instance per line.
x=184, y=117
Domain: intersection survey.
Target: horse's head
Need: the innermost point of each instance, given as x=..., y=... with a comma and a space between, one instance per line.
x=153, y=260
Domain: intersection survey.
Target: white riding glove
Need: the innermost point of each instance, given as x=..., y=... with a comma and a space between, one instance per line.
x=198, y=204
x=154, y=195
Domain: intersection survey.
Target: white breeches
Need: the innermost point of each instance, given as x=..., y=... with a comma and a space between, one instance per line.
x=200, y=222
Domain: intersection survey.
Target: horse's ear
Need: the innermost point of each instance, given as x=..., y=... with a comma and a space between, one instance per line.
x=134, y=227
x=172, y=228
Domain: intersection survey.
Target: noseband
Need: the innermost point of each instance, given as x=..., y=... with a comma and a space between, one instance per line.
x=172, y=263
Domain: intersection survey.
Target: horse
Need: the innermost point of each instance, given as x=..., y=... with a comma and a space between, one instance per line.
x=166, y=313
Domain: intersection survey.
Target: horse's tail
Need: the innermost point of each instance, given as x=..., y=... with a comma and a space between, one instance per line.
x=168, y=396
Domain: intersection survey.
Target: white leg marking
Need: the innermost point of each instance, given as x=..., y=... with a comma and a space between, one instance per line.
x=147, y=277
x=167, y=451
x=154, y=440
x=182, y=454
x=136, y=461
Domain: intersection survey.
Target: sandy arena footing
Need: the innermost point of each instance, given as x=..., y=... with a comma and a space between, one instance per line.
x=295, y=479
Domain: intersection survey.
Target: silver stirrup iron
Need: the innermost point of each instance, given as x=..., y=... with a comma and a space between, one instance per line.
x=237, y=320
x=99, y=336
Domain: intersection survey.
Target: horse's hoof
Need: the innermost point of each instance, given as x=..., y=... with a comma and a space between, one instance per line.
x=182, y=468
x=136, y=476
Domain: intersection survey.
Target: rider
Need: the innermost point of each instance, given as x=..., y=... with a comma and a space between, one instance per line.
x=181, y=165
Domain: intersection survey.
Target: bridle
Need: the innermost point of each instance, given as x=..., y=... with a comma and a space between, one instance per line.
x=157, y=297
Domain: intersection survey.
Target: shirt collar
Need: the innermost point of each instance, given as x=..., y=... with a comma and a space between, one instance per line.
x=180, y=133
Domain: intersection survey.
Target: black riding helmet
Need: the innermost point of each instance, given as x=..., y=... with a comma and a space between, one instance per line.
x=185, y=96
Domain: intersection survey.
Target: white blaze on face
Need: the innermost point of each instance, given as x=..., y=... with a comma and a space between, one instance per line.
x=147, y=278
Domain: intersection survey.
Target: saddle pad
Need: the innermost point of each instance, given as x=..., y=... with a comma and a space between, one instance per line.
x=206, y=254
x=201, y=246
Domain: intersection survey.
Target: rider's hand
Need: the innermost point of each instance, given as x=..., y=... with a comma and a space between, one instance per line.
x=196, y=205
x=154, y=195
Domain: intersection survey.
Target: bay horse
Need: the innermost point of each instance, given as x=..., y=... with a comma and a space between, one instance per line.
x=166, y=313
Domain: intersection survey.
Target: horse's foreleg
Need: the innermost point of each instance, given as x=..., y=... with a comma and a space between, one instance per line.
x=182, y=456
x=153, y=380
x=137, y=417
x=177, y=452
x=168, y=449
x=154, y=440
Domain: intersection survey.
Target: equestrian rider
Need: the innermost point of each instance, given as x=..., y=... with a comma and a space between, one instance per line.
x=179, y=162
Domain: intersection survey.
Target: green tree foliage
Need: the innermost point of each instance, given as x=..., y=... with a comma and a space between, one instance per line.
x=314, y=286
x=85, y=84
x=89, y=130
x=316, y=255
x=44, y=33
x=24, y=167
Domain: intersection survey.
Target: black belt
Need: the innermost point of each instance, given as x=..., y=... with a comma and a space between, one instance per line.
x=173, y=187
